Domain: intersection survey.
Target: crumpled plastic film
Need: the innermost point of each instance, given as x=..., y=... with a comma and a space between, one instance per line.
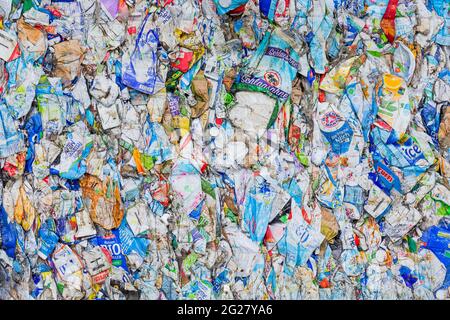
x=224, y=149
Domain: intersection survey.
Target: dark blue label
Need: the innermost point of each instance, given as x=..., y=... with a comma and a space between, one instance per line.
x=340, y=139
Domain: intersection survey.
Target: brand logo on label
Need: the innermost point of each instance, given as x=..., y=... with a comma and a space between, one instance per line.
x=272, y=78
x=330, y=119
x=412, y=152
x=385, y=175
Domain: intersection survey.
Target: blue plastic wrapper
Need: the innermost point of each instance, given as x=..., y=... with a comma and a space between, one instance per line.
x=34, y=132
x=441, y=8
x=8, y=233
x=141, y=72
x=48, y=238
x=257, y=209
x=11, y=139
x=437, y=239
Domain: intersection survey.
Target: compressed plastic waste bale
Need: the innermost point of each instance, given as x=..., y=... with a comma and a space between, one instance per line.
x=225, y=149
